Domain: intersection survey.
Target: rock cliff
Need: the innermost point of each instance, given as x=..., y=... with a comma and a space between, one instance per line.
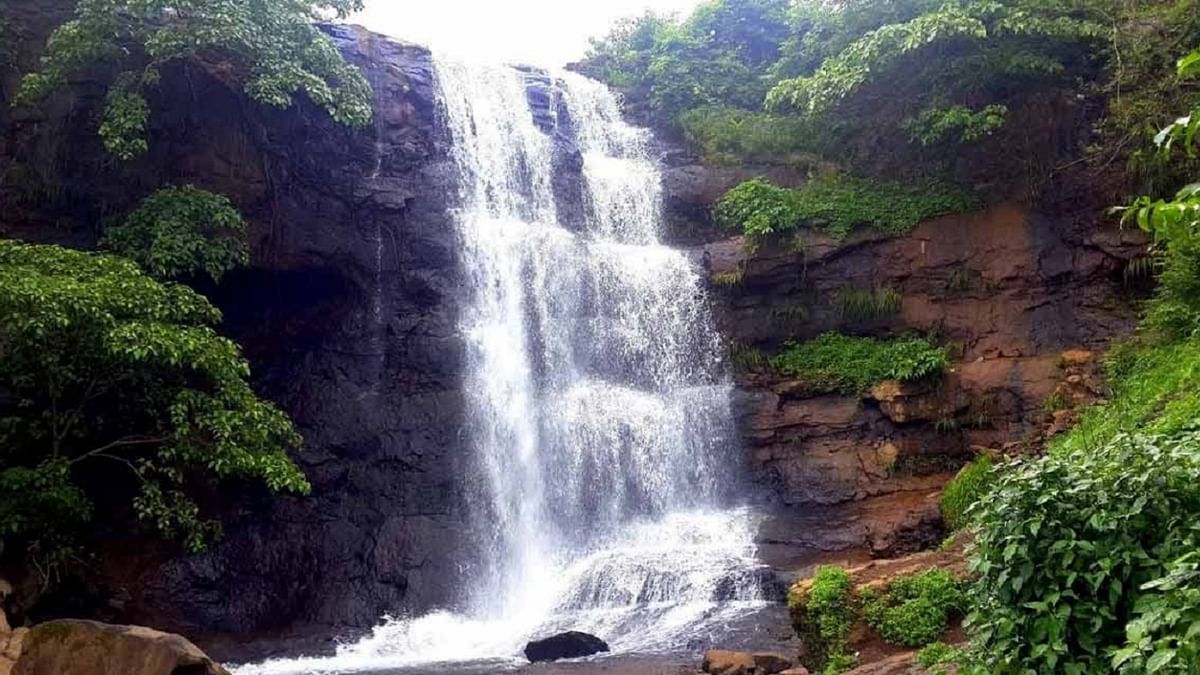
x=1009, y=289
x=347, y=313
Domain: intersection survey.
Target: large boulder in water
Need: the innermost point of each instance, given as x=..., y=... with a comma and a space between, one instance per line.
x=92, y=648
x=569, y=645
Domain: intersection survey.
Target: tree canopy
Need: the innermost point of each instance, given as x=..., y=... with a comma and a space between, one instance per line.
x=271, y=47
x=102, y=366
x=858, y=81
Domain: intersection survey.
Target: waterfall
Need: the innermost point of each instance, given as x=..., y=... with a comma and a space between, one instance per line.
x=598, y=406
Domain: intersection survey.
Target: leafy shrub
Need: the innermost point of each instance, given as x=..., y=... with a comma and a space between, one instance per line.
x=747, y=358
x=857, y=305
x=758, y=208
x=103, y=367
x=181, y=232
x=937, y=654
x=836, y=205
x=1164, y=636
x=914, y=611
x=716, y=56
x=971, y=483
x=727, y=135
x=839, y=363
x=956, y=123
x=840, y=663
x=1078, y=560
x=823, y=614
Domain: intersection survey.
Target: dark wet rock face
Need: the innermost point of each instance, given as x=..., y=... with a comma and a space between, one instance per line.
x=569, y=645
x=348, y=313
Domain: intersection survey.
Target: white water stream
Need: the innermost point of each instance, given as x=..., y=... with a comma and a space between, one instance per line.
x=598, y=406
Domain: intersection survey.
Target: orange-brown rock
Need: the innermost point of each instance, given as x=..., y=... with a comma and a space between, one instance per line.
x=921, y=401
x=898, y=664
x=10, y=644
x=92, y=648
x=1013, y=293
x=722, y=662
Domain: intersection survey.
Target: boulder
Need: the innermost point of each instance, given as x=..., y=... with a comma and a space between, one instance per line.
x=906, y=402
x=93, y=648
x=10, y=643
x=722, y=662
x=798, y=670
x=569, y=645
x=898, y=664
x=770, y=663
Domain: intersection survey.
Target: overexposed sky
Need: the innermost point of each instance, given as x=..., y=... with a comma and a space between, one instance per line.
x=541, y=32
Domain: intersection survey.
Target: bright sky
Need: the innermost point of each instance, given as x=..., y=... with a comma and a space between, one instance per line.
x=541, y=32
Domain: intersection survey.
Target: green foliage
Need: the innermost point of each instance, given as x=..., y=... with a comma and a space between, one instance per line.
x=1152, y=388
x=622, y=57
x=836, y=205
x=956, y=123
x=966, y=490
x=182, y=232
x=942, y=72
x=114, y=382
x=858, y=305
x=1054, y=402
x=937, y=654
x=914, y=611
x=823, y=614
x=272, y=47
x=1070, y=550
x=1152, y=376
x=747, y=358
x=840, y=663
x=727, y=135
x=731, y=279
x=850, y=365
x=1031, y=35
x=1164, y=636
x=1088, y=556
x=717, y=56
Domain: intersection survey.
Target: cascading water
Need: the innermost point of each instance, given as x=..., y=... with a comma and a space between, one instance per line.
x=598, y=405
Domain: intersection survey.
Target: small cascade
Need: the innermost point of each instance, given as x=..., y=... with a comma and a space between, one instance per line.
x=598, y=405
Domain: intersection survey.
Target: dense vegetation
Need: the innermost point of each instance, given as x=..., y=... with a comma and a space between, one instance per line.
x=182, y=232
x=835, y=205
x=839, y=363
x=823, y=613
x=914, y=611
x=999, y=93
x=271, y=48
x=1087, y=556
x=966, y=490
x=910, y=611
x=116, y=387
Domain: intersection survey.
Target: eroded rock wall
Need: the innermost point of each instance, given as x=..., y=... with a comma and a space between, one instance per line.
x=1007, y=289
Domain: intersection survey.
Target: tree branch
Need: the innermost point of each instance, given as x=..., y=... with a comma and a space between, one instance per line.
x=121, y=443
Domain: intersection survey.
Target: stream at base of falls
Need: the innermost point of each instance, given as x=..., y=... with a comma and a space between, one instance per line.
x=598, y=405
